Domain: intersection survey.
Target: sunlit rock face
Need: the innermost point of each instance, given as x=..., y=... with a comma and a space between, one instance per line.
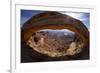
x=55, y=35
x=56, y=43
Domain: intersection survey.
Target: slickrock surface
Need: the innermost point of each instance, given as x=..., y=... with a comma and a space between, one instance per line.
x=38, y=45
x=55, y=43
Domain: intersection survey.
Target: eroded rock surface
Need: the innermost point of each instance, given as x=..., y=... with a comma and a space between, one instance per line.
x=55, y=43
x=39, y=45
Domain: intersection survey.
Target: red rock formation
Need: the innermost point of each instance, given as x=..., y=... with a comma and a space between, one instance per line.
x=54, y=20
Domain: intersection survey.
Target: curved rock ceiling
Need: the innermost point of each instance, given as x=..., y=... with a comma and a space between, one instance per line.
x=55, y=34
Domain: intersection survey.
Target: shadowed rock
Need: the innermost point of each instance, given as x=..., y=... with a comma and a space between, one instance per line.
x=38, y=41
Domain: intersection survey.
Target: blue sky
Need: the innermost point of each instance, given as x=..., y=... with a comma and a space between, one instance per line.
x=84, y=17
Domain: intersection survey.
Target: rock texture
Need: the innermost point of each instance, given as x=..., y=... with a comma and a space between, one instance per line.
x=52, y=45
x=56, y=43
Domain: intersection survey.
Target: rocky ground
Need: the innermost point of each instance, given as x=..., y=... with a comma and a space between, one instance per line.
x=53, y=41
